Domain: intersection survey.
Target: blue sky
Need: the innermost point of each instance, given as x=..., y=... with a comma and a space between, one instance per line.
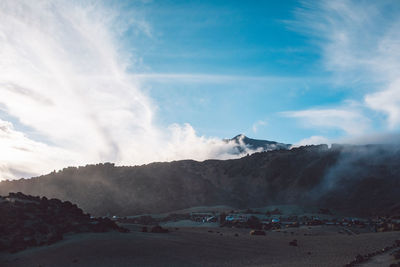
x=266, y=68
x=133, y=82
x=261, y=63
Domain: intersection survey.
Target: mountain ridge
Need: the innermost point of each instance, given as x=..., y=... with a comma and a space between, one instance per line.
x=360, y=180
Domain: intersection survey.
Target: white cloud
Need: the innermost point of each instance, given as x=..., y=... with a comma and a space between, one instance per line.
x=364, y=139
x=347, y=120
x=258, y=124
x=387, y=101
x=63, y=76
x=313, y=140
x=22, y=156
x=360, y=45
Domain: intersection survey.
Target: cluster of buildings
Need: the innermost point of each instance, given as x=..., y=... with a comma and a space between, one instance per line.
x=379, y=224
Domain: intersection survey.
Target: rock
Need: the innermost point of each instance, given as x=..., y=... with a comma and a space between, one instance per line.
x=257, y=232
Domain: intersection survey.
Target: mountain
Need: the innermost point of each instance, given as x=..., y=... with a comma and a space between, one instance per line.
x=355, y=180
x=243, y=143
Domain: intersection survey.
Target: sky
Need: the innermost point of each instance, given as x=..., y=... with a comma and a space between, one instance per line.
x=133, y=82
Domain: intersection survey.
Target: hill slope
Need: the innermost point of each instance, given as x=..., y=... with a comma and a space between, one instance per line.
x=355, y=179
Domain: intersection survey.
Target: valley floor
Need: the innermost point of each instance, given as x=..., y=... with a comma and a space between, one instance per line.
x=202, y=246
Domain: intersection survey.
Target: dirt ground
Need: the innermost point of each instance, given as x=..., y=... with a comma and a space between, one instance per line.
x=202, y=246
x=385, y=259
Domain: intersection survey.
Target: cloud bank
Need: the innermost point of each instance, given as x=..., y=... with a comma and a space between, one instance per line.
x=66, y=97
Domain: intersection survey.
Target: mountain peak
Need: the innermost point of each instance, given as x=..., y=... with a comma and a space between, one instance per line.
x=243, y=143
x=239, y=136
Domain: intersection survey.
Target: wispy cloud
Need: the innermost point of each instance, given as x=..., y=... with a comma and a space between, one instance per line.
x=63, y=76
x=21, y=156
x=360, y=46
x=218, y=78
x=347, y=120
x=388, y=102
x=258, y=124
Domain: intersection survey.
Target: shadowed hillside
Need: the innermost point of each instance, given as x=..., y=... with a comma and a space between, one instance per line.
x=360, y=180
x=28, y=221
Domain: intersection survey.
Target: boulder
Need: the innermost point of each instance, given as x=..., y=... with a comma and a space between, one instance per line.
x=257, y=232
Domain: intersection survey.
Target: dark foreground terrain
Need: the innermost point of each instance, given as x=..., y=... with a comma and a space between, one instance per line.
x=200, y=246
x=45, y=232
x=27, y=221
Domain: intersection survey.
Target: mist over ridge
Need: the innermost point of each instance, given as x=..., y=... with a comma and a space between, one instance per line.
x=348, y=179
